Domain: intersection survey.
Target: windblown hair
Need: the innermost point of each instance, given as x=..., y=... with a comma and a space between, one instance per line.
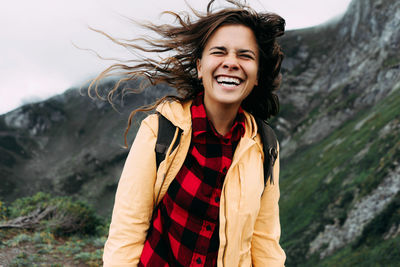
x=184, y=44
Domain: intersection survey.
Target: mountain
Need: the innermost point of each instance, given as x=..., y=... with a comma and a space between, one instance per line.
x=339, y=129
x=69, y=145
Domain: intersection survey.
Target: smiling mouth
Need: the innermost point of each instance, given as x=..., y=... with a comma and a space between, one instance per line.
x=228, y=81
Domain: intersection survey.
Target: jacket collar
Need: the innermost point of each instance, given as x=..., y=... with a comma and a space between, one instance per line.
x=180, y=116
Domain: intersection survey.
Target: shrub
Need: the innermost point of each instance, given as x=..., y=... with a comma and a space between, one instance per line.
x=24, y=206
x=73, y=217
x=64, y=215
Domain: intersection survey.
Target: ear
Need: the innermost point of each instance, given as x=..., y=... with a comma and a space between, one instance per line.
x=198, y=65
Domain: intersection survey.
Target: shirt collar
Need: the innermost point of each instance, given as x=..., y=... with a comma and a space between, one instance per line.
x=201, y=124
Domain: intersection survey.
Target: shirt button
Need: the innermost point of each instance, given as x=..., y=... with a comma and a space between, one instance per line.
x=208, y=228
x=217, y=199
x=198, y=261
x=224, y=170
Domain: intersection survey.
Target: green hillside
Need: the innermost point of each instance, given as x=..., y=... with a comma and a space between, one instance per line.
x=320, y=183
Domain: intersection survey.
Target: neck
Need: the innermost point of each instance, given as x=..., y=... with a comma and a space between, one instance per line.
x=221, y=116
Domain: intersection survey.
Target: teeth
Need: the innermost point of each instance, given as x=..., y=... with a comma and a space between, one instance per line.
x=229, y=80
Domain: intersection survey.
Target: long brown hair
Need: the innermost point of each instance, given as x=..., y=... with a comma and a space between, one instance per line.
x=184, y=43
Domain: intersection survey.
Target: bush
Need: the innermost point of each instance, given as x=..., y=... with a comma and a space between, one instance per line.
x=65, y=216
x=74, y=217
x=24, y=206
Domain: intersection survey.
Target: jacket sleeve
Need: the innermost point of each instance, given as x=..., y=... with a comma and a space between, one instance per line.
x=134, y=200
x=265, y=247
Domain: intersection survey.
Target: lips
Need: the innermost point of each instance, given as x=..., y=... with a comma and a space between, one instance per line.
x=228, y=80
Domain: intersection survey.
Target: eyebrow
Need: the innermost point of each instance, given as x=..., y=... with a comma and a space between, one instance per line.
x=223, y=48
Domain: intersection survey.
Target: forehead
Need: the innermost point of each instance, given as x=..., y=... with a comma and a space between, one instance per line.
x=233, y=35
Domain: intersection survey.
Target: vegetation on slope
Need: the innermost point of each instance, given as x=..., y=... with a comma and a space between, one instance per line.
x=321, y=182
x=71, y=235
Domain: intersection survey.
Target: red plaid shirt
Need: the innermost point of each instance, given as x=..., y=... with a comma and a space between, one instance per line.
x=185, y=227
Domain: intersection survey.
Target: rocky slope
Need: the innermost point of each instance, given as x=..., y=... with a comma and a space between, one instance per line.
x=339, y=128
x=68, y=145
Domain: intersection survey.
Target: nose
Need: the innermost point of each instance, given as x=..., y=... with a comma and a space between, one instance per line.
x=230, y=63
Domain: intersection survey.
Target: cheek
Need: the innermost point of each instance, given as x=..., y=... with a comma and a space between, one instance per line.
x=255, y=69
x=255, y=73
x=207, y=69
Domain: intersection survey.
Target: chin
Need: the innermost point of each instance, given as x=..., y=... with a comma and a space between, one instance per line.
x=228, y=99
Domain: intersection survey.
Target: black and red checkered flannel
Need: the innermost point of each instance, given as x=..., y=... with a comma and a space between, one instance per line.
x=185, y=225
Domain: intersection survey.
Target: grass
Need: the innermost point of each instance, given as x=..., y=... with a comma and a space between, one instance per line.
x=44, y=249
x=391, y=61
x=380, y=253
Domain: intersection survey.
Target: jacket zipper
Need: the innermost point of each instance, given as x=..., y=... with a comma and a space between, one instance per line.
x=224, y=188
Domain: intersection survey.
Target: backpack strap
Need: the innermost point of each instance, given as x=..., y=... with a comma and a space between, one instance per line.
x=270, y=148
x=166, y=131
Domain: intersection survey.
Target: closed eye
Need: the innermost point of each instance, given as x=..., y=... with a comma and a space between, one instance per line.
x=246, y=56
x=217, y=53
x=247, y=53
x=217, y=50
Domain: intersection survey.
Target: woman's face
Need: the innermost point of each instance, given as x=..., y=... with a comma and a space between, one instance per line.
x=229, y=65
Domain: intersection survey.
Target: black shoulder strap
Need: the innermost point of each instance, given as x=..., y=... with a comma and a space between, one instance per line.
x=270, y=148
x=166, y=131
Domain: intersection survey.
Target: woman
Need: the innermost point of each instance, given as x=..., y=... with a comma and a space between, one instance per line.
x=206, y=204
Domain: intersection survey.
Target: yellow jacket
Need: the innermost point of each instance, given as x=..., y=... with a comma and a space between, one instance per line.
x=249, y=228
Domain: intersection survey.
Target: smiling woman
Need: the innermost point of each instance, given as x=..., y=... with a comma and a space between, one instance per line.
x=206, y=203
x=228, y=68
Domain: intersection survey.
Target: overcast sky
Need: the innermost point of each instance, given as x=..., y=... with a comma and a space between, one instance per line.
x=38, y=60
